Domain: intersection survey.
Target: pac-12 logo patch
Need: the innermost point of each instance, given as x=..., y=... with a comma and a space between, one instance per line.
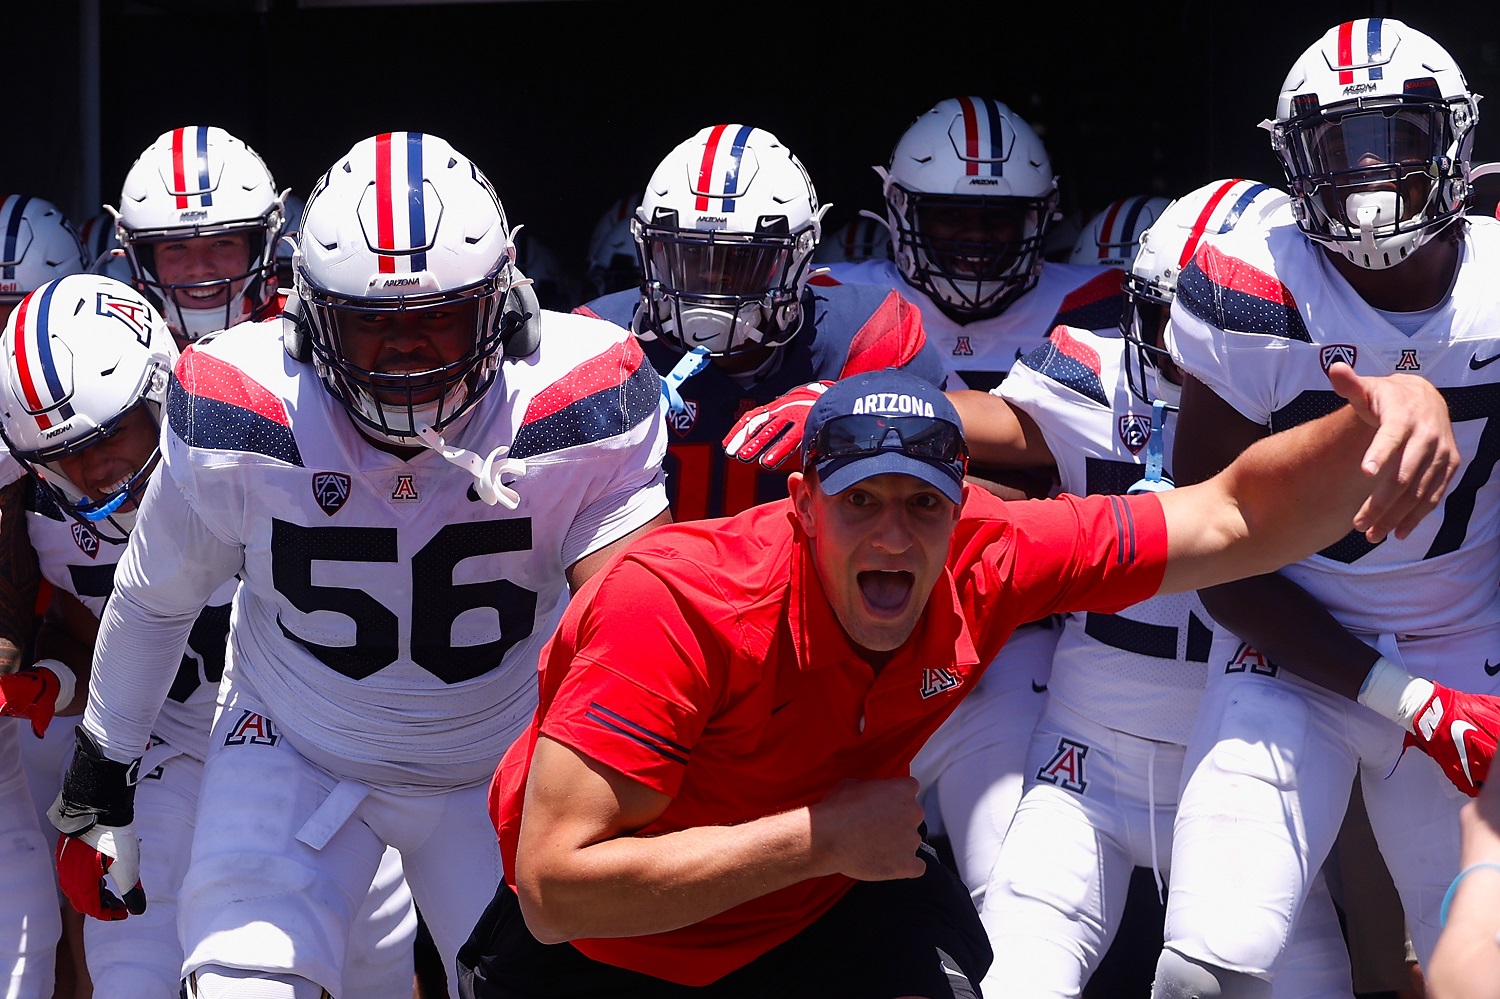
x=330, y=489
x=935, y=681
x=86, y=540
x=1345, y=352
x=131, y=312
x=1065, y=769
x=682, y=420
x=1135, y=431
x=253, y=728
x=1247, y=658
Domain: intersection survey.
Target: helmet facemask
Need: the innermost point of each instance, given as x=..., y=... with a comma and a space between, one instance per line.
x=725, y=292
x=243, y=292
x=396, y=405
x=972, y=254
x=1149, y=369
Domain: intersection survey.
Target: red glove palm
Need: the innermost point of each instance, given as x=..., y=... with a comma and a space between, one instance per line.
x=772, y=433
x=1458, y=731
x=30, y=693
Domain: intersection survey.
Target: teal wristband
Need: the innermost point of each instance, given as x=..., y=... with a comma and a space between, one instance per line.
x=1453, y=888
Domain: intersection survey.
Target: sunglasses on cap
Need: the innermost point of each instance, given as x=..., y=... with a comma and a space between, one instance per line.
x=925, y=438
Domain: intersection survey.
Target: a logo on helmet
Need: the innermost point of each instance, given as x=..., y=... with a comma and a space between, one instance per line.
x=128, y=311
x=330, y=489
x=86, y=540
x=1335, y=352
x=1135, y=431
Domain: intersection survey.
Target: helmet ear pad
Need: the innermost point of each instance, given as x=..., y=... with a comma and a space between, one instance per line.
x=296, y=334
x=521, y=322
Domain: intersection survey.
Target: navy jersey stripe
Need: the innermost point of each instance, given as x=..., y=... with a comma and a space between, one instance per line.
x=1069, y=371
x=1228, y=308
x=606, y=413
x=210, y=423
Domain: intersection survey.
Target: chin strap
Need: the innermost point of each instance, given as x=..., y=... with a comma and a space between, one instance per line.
x=687, y=366
x=486, y=471
x=1154, y=481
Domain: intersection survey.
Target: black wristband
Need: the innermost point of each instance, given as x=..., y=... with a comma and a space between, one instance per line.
x=99, y=786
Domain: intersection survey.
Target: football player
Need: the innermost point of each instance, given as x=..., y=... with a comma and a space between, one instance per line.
x=408, y=473
x=731, y=313
x=1373, y=264
x=198, y=218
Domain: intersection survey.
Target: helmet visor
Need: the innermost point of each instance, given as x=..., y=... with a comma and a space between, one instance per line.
x=1380, y=156
x=716, y=266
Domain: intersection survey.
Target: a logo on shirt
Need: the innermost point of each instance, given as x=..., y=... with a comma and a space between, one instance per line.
x=961, y=347
x=1409, y=360
x=681, y=420
x=405, y=488
x=1065, y=769
x=1248, y=658
x=86, y=540
x=253, y=729
x=128, y=311
x=935, y=681
x=330, y=489
x=1345, y=352
x=1135, y=431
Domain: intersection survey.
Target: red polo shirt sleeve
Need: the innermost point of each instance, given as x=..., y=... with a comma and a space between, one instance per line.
x=644, y=680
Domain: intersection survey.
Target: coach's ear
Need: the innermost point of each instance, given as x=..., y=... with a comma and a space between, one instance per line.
x=295, y=335
x=800, y=487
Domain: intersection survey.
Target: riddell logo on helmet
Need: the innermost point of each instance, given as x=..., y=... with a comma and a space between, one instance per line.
x=193, y=216
x=1359, y=88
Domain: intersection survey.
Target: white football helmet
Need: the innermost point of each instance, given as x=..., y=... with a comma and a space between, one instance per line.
x=726, y=233
x=37, y=244
x=192, y=182
x=613, y=264
x=1114, y=235
x=77, y=356
x=1374, y=127
x=405, y=222
x=1165, y=249
x=102, y=250
x=969, y=196
x=866, y=238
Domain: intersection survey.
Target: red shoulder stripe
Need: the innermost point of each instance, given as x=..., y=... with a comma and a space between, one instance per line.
x=890, y=338
x=207, y=377
x=608, y=370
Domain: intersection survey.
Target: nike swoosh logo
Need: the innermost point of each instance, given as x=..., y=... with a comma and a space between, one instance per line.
x=1475, y=363
x=1038, y=688
x=1457, y=731
x=1491, y=670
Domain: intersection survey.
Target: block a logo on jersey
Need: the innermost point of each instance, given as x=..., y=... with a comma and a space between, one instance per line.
x=935, y=681
x=1345, y=352
x=962, y=348
x=1409, y=361
x=405, y=489
x=681, y=420
x=1135, y=431
x=1247, y=658
x=330, y=489
x=253, y=729
x=129, y=312
x=1065, y=769
x=86, y=540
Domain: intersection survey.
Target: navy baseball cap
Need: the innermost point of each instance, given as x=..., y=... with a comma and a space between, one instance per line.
x=882, y=423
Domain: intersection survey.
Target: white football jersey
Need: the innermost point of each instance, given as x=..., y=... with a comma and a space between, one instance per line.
x=1261, y=313
x=1140, y=671
x=978, y=355
x=76, y=560
x=389, y=619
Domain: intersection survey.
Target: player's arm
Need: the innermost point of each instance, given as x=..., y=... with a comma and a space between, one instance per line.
x=1466, y=961
x=19, y=576
x=1383, y=462
x=580, y=571
x=1000, y=435
x=582, y=872
x=67, y=635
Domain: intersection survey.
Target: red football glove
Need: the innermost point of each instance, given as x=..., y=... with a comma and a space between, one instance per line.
x=772, y=433
x=82, y=862
x=32, y=693
x=1458, y=731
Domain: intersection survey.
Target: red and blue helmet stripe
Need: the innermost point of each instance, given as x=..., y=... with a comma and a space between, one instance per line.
x=719, y=172
x=190, y=166
x=984, y=137
x=1229, y=221
x=36, y=368
x=1350, y=38
x=400, y=206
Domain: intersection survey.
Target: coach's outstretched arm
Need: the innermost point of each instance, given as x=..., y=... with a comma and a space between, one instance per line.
x=1382, y=462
